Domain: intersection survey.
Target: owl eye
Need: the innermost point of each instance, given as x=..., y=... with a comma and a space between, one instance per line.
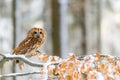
x=35, y=32
x=40, y=32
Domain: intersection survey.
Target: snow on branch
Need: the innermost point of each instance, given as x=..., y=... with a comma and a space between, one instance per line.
x=24, y=59
x=7, y=57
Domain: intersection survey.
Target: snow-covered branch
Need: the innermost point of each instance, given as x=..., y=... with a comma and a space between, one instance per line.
x=7, y=57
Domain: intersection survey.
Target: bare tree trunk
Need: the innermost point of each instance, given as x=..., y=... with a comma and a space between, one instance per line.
x=83, y=26
x=64, y=27
x=93, y=26
x=14, y=32
x=77, y=28
x=56, y=27
x=6, y=34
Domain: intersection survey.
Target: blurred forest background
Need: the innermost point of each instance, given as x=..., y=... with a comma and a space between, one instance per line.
x=78, y=26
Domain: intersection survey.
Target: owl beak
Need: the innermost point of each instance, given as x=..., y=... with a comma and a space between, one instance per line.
x=38, y=36
x=39, y=39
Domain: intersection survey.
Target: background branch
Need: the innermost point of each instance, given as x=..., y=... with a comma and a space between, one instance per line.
x=18, y=74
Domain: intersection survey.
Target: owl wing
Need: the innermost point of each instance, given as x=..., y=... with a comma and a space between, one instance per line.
x=23, y=46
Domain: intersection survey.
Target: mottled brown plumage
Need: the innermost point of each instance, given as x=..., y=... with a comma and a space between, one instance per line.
x=35, y=38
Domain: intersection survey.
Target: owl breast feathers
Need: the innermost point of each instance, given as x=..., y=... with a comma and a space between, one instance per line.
x=35, y=38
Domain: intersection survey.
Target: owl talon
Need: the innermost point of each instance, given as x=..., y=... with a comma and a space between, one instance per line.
x=36, y=53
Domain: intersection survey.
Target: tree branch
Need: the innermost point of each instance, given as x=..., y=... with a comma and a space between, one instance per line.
x=24, y=59
x=18, y=74
x=6, y=57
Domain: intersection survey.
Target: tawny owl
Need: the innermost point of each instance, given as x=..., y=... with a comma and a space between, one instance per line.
x=34, y=39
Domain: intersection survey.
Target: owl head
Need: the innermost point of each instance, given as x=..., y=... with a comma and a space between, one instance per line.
x=38, y=33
